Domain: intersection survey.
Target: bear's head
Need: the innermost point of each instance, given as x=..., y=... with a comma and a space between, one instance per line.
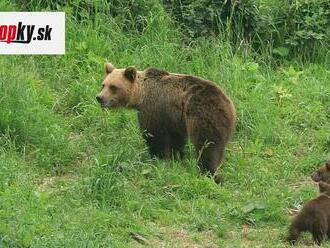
x=117, y=87
x=322, y=174
x=324, y=188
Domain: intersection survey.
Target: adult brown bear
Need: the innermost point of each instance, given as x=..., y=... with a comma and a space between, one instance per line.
x=172, y=107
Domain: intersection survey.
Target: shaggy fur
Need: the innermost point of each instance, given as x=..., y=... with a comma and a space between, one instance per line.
x=314, y=217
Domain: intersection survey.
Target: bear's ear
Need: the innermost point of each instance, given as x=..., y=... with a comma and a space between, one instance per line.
x=322, y=187
x=130, y=73
x=327, y=164
x=109, y=68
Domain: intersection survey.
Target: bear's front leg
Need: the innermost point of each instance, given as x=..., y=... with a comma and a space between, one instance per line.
x=155, y=134
x=158, y=144
x=177, y=142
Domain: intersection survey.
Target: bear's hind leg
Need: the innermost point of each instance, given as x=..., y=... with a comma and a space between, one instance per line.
x=210, y=156
x=209, y=145
x=210, y=153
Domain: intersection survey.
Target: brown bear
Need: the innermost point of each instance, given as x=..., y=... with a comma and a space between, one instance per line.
x=323, y=173
x=314, y=217
x=172, y=107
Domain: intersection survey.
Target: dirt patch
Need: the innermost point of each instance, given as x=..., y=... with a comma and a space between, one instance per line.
x=53, y=184
x=297, y=185
x=302, y=182
x=180, y=238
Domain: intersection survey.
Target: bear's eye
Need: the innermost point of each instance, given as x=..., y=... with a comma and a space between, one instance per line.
x=113, y=88
x=102, y=86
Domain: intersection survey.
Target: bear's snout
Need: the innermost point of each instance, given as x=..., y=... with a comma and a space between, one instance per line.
x=104, y=102
x=316, y=177
x=99, y=99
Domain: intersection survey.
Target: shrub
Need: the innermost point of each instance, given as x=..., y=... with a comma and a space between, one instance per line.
x=131, y=15
x=288, y=27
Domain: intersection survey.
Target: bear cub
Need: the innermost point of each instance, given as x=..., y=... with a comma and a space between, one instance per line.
x=323, y=173
x=314, y=217
x=172, y=108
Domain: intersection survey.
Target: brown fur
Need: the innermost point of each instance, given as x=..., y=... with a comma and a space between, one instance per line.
x=172, y=107
x=314, y=217
x=323, y=173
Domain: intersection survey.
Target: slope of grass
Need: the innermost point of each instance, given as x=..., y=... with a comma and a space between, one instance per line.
x=72, y=175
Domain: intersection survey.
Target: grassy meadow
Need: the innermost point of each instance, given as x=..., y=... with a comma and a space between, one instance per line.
x=74, y=175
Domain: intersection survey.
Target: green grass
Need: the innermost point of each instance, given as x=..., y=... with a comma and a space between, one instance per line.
x=72, y=175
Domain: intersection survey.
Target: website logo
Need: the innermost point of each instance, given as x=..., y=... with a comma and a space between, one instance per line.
x=32, y=32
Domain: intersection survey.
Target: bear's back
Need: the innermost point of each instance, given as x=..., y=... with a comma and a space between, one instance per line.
x=186, y=93
x=181, y=82
x=314, y=212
